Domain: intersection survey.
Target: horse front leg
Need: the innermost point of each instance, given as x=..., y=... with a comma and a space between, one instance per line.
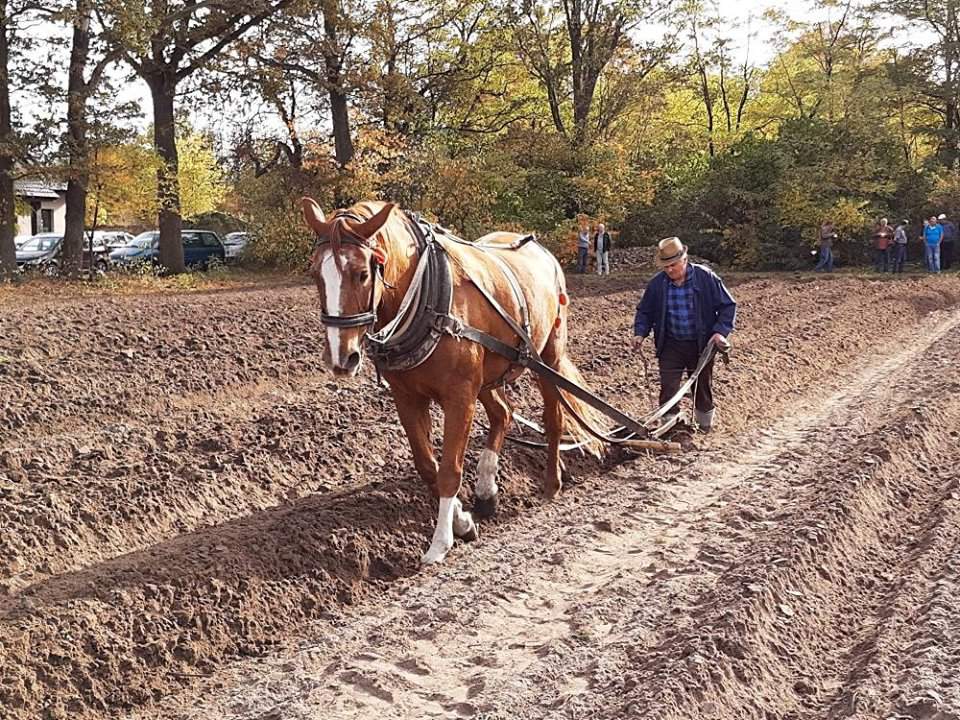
x=414, y=412
x=485, y=490
x=451, y=518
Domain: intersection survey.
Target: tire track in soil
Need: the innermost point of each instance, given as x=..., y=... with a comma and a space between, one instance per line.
x=700, y=584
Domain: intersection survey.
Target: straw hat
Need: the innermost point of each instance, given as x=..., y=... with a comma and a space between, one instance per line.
x=670, y=250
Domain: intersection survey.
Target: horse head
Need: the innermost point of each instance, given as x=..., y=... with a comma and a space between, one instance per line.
x=347, y=266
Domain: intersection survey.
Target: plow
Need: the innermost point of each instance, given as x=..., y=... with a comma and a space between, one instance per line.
x=646, y=433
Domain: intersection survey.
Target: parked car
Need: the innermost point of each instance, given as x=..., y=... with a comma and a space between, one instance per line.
x=141, y=249
x=200, y=248
x=43, y=253
x=110, y=239
x=234, y=243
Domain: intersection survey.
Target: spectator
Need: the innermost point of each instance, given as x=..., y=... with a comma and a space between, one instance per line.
x=688, y=308
x=946, y=245
x=932, y=237
x=827, y=236
x=900, y=239
x=583, y=247
x=601, y=248
x=882, y=240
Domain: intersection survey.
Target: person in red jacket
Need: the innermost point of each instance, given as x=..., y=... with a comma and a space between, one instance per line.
x=882, y=242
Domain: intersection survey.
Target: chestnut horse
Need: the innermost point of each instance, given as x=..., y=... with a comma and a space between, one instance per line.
x=364, y=263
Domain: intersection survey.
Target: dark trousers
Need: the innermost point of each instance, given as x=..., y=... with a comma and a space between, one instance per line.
x=881, y=259
x=946, y=255
x=581, y=259
x=679, y=358
x=899, y=257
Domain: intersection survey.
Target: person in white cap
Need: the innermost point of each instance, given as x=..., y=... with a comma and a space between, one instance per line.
x=688, y=307
x=882, y=242
x=946, y=244
x=900, y=239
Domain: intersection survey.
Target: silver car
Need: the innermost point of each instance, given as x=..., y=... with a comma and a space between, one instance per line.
x=234, y=243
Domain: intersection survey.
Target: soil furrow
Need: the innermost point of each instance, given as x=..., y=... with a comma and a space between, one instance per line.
x=742, y=543
x=233, y=517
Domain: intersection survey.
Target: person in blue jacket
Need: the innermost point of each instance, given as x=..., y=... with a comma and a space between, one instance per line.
x=688, y=307
x=932, y=237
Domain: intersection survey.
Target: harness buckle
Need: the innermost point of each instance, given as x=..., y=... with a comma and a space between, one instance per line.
x=523, y=354
x=448, y=324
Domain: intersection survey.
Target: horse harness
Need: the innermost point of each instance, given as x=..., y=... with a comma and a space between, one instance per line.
x=424, y=315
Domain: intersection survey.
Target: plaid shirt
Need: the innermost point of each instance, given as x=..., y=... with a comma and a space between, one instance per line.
x=681, y=322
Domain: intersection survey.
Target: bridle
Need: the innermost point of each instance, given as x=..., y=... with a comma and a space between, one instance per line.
x=343, y=233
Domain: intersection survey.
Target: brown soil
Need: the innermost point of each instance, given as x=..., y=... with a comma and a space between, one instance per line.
x=197, y=522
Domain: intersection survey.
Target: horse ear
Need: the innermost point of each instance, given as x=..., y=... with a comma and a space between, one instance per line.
x=371, y=227
x=313, y=215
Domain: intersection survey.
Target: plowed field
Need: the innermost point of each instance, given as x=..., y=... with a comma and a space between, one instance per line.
x=196, y=521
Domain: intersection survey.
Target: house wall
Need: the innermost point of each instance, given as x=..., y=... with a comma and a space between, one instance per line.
x=59, y=207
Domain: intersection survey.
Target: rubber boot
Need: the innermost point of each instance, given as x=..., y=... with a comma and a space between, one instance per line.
x=704, y=419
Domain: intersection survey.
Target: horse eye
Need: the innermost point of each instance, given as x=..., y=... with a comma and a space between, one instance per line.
x=363, y=276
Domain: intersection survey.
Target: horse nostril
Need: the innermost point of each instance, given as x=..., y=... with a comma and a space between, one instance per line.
x=353, y=359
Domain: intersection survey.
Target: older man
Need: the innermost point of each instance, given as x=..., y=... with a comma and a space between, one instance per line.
x=688, y=307
x=900, y=239
x=882, y=242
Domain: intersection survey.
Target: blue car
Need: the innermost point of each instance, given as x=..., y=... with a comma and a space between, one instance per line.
x=200, y=247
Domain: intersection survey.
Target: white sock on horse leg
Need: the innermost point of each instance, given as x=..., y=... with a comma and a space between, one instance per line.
x=486, y=486
x=443, y=534
x=462, y=520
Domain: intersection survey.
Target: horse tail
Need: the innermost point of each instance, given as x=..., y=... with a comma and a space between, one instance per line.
x=579, y=413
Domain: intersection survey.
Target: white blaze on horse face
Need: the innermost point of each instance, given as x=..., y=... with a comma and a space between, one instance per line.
x=486, y=486
x=443, y=534
x=332, y=281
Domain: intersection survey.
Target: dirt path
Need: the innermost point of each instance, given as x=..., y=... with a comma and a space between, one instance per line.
x=225, y=533
x=759, y=580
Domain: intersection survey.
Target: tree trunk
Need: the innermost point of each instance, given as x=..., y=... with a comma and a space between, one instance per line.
x=163, y=87
x=343, y=143
x=77, y=91
x=333, y=62
x=8, y=217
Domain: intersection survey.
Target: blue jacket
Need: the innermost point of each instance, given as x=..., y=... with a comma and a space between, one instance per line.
x=714, y=308
x=933, y=234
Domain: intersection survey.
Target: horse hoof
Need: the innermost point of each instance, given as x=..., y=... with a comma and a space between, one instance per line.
x=486, y=507
x=472, y=534
x=434, y=556
x=550, y=493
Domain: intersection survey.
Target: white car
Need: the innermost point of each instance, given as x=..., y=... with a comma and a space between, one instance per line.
x=234, y=243
x=109, y=239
